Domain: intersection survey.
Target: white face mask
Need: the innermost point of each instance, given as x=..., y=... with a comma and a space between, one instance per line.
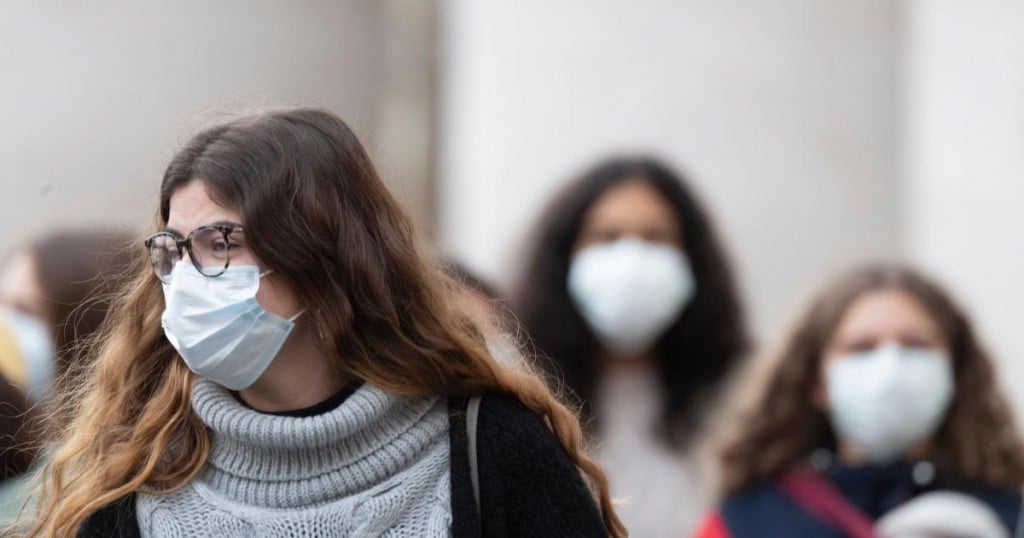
x=35, y=343
x=219, y=328
x=630, y=291
x=888, y=399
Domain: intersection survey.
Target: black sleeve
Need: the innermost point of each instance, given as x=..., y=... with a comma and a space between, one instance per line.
x=116, y=520
x=528, y=485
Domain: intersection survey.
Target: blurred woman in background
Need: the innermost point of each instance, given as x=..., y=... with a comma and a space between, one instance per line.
x=54, y=295
x=880, y=416
x=286, y=363
x=19, y=444
x=629, y=297
x=63, y=282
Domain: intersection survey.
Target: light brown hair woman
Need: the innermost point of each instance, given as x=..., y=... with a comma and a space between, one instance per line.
x=881, y=394
x=286, y=363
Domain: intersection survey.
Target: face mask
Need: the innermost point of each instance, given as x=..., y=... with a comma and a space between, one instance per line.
x=887, y=400
x=630, y=291
x=35, y=344
x=217, y=326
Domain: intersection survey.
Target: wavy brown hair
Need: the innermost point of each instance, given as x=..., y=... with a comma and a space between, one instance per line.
x=780, y=425
x=316, y=212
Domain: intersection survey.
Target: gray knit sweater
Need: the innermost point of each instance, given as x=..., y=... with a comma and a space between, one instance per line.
x=378, y=465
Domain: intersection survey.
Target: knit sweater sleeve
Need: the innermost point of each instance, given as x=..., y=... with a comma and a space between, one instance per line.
x=528, y=484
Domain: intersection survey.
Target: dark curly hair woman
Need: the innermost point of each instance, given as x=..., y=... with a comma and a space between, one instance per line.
x=630, y=299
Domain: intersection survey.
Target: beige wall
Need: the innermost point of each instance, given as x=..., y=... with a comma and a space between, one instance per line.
x=964, y=163
x=98, y=95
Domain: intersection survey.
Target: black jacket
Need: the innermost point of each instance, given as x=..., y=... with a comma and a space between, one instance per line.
x=528, y=485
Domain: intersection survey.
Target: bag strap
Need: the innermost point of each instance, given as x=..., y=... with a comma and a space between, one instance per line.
x=472, y=417
x=823, y=500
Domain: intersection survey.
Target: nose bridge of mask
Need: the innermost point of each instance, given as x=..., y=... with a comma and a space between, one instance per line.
x=863, y=377
x=889, y=357
x=235, y=284
x=626, y=266
x=620, y=263
x=895, y=360
x=633, y=260
x=884, y=364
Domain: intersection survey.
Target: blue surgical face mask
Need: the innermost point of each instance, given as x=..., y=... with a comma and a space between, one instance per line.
x=219, y=328
x=35, y=343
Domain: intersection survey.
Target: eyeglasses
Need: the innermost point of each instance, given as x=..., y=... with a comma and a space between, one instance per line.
x=208, y=247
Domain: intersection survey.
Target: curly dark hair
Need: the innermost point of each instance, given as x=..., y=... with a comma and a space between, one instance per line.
x=692, y=357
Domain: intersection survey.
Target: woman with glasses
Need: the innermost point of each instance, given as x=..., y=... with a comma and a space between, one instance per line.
x=295, y=368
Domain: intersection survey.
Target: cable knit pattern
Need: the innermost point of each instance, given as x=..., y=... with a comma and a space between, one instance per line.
x=378, y=465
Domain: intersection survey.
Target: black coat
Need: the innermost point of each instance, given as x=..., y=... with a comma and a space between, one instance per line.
x=528, y=485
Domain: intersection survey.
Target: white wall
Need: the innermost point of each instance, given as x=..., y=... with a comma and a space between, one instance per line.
x=783, y=112
x=964, y=161
x=96, y=96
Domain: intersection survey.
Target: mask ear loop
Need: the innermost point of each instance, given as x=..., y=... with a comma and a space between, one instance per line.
x=300, y=312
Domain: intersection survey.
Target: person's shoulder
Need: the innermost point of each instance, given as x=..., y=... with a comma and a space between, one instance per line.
x=509, y=426
x=760, y=503
x=529, y=484
x=116, y=519
x=508, y=408
x=761, y=493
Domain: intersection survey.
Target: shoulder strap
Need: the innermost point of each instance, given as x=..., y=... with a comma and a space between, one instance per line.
x=472, y=416
x=822, y=499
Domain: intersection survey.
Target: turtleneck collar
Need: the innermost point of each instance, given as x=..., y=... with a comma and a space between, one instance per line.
x=289, y=462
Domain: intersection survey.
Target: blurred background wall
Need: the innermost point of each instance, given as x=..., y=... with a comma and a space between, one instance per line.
x=963, y=162
x=819, y=133
x=783, y=113
x=97, y=96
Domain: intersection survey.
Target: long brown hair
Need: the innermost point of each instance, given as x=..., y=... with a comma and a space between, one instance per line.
x=315, y=211
x=693, y=357
x=779, y=425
